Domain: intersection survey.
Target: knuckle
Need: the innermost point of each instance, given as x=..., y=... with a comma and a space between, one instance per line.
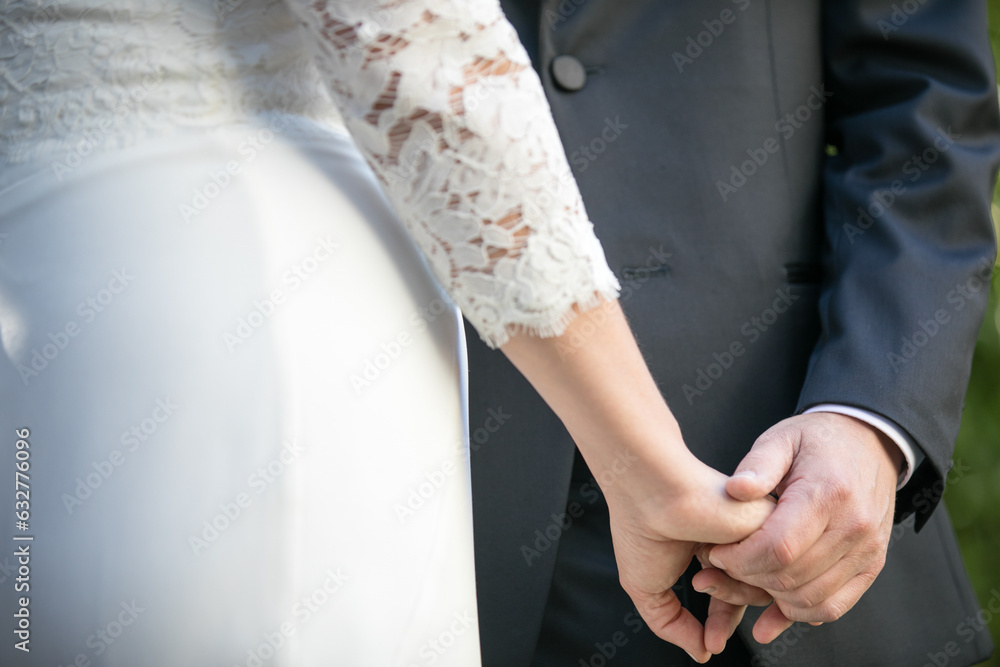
x=781, y=582
x=784, y=552
x=803, y=599
x=839, y=493
x=626, y=583
x=867, y=578
x=829, y=611
x=758, y=597
x=737, y=591
x=738, y=568
x=773, y=437
x=863, y=524
x=790, y=611
x=877, y=563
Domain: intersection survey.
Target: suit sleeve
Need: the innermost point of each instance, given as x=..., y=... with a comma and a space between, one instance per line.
x=909, y=243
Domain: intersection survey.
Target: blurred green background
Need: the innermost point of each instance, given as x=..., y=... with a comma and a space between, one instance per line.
x=973, y=499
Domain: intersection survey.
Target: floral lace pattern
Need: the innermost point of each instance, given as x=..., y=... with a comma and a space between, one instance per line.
x=79, y=76
x=439, y=96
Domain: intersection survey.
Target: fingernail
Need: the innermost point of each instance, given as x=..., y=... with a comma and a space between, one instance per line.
x=709, y=590
x=746, y=474
x=714, y=560
x=692, y=657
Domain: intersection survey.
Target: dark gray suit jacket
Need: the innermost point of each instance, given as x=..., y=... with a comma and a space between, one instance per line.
x=795, y=195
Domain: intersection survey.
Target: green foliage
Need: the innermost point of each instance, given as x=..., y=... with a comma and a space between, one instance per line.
x=972, y=500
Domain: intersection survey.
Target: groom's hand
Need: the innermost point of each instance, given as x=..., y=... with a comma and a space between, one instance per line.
x=823, y=546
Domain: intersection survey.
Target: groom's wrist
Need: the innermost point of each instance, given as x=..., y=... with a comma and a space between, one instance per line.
x=912, y=455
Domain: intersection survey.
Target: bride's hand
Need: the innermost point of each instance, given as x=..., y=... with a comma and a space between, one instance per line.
x=660, y=519
x=666, y=503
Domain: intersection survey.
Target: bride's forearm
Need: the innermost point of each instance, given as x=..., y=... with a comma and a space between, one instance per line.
x=594, y=378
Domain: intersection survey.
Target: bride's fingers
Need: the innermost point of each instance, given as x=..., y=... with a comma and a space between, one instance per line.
x=670, y=621
x=721, y=624
x=721, y=586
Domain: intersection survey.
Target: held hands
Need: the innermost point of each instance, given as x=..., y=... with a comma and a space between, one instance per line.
x=814, y=553
x=666, y=505
x=826, y=541
x=662, y=517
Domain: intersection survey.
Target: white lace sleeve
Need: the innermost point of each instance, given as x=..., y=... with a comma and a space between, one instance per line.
x=441, y=99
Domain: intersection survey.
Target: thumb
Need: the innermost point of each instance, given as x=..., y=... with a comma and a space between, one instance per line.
x=765, y=465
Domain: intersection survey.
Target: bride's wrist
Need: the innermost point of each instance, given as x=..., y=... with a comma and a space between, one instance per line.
x=641, y=469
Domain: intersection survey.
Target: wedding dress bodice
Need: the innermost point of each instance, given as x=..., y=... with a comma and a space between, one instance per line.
x=439, y=96
x=149, y=66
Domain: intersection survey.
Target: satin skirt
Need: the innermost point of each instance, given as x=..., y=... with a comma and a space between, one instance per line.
x=232, y=414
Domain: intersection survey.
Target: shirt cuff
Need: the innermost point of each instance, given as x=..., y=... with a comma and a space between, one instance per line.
x=913, y=455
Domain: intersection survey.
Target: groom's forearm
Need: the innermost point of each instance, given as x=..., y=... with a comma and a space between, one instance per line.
x=909, y=239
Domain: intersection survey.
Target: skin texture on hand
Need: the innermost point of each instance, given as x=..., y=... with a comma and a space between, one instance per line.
x=826, y=541
x=666, y=504
x=654, y=547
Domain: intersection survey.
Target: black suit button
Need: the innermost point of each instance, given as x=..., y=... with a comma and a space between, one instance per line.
x=569, y=73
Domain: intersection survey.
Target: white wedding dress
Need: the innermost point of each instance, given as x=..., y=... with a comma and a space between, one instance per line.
x=234, y=356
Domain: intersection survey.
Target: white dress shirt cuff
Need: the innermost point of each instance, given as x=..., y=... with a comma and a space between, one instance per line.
x=911, y=453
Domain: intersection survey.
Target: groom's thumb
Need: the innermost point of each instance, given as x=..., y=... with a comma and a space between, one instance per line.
x=767, y=463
